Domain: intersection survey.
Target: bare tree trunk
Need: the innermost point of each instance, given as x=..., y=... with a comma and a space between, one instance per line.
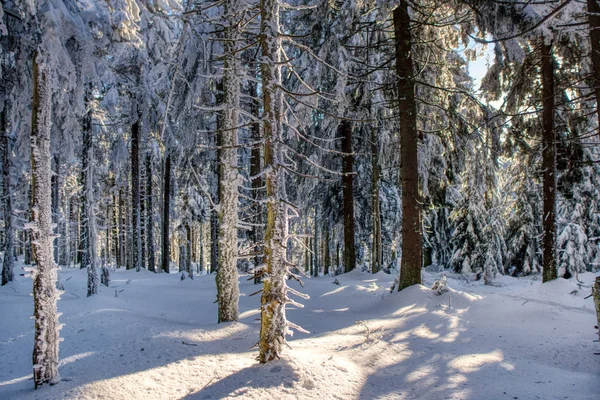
x=143, y=191
x=136, y=244
x=326, y=253
x=27, y=256
x=316, y=243
x=593, y=9
x=596, y=296
x=166, y=253
x=88, y=254
x=45, y=350
x=410, y=269
x=149, y=214
x=274, y=295
x=345, y=131
x=188, y=249
x=549, y=164
x=227, y=275
x=255, y=168
x=56, y=203
x=9, y=233
x=376, y=251
x=122, y=230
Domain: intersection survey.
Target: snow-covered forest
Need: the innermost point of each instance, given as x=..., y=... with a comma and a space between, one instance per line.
x=410, y=188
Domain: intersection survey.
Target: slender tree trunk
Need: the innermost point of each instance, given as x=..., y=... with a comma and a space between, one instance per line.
x=376, y=251
x=188, y=249
x=45, y=350
x=122, y=229
x=214, y=221
x=227, y=275
x=149, y=219
x=166, y=253
x=316, y=243
x=345, y=131
x=549, y=164
x=274, y=295
x=593, y=9
x=143, y=192
x=136, y=244
x=326, y=253
x=88, y=255
x=27, y=256
x=410, y=269
x=255, y=168
x=9, y=233
x=311, y=246
x=56, y=202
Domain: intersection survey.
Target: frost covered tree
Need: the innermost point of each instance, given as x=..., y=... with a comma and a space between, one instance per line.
x=45, y=296
x=229, y=182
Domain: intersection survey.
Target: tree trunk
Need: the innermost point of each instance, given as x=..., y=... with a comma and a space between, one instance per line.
x=345, y=131
x=188, y=249
x=549, y=164
x=596, y=296
x=326, y=253
x=56, y=202
x=410, y=269
x=143, y=191
x=166, y=254
x=274, y=295
x=136, y=244
x=27, y=256
x=7, y=262
x=149, y=220
x=122, y=229
x=45, y=350
x=316, y=244
x=593, y=9
x=227, y=275
x=376, y=251
x=255, y=168
x=88, y=255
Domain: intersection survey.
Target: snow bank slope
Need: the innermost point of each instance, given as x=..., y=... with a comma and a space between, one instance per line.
x=158, y=339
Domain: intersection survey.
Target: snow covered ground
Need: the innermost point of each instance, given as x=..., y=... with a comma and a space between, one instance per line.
x=158, y=339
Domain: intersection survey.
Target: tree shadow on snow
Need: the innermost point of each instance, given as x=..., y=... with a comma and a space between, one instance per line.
x=239, y=383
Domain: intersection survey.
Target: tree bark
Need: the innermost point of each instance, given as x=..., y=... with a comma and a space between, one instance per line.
x=45, y=350
x=166, y=254
x=410, y=269
x=9, y=233
x=149, y=214
x=136, y=244
x=88, y=255
x=274, y=295
x=326, y=252
x=316, y=262
x=227, y=275
x=596, y=296
x=593, y=9
x=549, y=164
x=345, y=131
x=376, y=251
x=255, y=168
x=143, y=192
x=56, y=202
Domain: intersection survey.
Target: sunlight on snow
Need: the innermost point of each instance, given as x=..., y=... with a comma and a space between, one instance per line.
x=334, y=291
x=470, y=363
x=249, y=313
x=16, y=380
x=75, y=357
x=203, y=335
